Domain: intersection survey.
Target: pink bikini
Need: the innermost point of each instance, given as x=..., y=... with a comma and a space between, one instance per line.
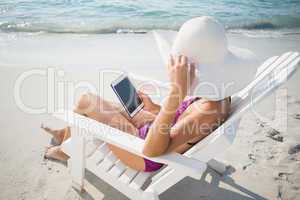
x=151, y=166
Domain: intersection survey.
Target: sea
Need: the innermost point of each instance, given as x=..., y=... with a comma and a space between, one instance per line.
x=249, y=17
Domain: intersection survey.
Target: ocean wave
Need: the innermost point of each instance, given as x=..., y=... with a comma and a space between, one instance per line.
x=254, y=33
x=140, y=16
x=285, y=25
x=276, y=22
x=260, y=25
x=27, y=27
x=84, y=29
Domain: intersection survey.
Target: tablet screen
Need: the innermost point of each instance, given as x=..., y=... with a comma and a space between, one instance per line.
x=128, y=94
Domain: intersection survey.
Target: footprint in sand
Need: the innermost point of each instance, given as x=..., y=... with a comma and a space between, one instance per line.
x=294, y=149
x=274, y=135
x=296, y=116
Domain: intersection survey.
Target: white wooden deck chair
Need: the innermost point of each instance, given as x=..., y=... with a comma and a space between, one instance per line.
x=96, y=157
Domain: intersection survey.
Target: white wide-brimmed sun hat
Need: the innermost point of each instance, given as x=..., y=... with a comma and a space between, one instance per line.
x=222, y=70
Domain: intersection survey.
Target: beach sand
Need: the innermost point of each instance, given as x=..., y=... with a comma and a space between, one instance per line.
x=261, y=167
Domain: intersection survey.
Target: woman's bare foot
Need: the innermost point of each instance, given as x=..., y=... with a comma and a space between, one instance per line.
x=58, y=135
x=55, y=152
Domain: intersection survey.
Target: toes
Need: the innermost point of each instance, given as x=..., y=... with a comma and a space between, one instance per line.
x=54, y=153
x=46, y=153
x=47, y=129
x=49, y=152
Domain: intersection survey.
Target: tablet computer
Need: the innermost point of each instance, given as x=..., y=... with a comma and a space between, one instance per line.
x=127, y=95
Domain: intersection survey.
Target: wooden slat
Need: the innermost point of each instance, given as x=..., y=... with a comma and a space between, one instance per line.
x=128, y=175
x=166, y=181
x=117, y=170
x=239, y=107
x=264, y=66
x=277, y=63
x=108, y=162
x=99, y=154
x=263, y=71
x=91, y=147
x=140, y=179
x=294, y=56
x=161, y=173
x=124, y=188
x=269, y=82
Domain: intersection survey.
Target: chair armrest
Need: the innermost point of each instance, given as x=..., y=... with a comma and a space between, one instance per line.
x=92, y=128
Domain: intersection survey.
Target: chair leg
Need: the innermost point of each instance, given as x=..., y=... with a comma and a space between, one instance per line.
x=78, y=159
x=217, y=166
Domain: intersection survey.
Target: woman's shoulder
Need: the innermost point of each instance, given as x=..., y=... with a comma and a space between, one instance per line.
x=206, y=107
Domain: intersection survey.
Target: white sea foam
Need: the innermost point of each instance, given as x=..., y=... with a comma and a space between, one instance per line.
x=106, y=16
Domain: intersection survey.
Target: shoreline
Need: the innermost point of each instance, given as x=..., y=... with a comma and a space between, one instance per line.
x=266, y=32
x=79, y=44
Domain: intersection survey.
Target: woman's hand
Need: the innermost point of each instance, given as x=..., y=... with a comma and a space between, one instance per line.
x=149, y=112
x=148, y=103
x=181, y=75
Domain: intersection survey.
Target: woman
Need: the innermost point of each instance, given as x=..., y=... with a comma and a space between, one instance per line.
x=181, y=121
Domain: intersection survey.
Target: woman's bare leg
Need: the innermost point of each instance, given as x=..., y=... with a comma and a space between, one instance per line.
x=103, y=111
x=55, y=152
x=59, y=135
x=106, y=112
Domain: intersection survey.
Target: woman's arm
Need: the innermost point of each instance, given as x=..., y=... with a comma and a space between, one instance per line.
x=147, y=114
x=197, y=125
x=158, y=138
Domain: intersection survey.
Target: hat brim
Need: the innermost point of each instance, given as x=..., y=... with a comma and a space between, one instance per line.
x=227, y=77
x=219, y=80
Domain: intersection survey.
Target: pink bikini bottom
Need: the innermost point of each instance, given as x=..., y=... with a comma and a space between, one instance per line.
x=151, y=166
